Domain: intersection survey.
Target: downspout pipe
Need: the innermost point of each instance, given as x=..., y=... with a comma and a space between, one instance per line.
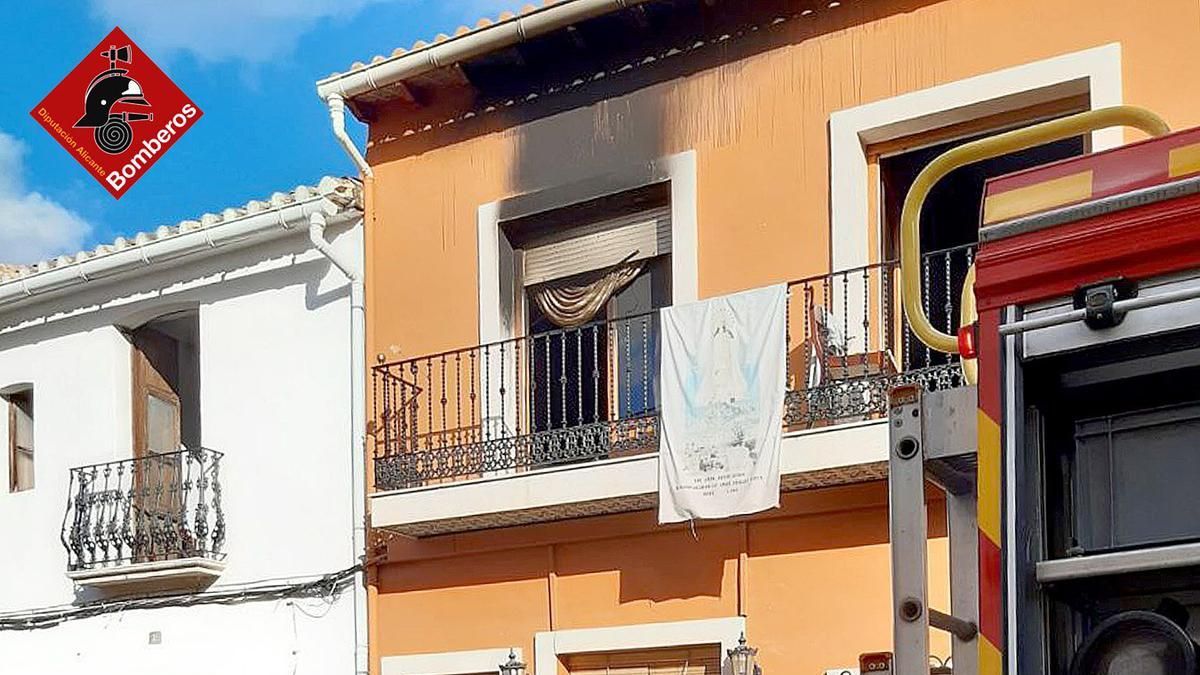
x=358, y=375
x=358, y=407
x=337, y=120
x=316, y=234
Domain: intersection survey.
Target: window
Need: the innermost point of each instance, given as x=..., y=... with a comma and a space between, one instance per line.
x=607, y=365
x=470, y=662
x=675, y=661
x=591, y=276
x=951, y=213
x=20, y=440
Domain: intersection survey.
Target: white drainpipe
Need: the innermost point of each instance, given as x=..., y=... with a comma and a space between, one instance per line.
x=316, y=234
x=337, y=119
x=358, y=386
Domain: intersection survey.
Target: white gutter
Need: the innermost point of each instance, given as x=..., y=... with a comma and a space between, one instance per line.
x=278, y=218
x=358, y=430
x=466, y=46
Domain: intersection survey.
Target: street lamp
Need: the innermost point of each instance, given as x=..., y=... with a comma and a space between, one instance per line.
x=741, y=657
x=513, y=666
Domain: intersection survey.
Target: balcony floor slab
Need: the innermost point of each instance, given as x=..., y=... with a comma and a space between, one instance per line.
x=839, y=455
x=153, y=576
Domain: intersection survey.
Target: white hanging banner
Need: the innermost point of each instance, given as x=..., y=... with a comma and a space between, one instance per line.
x=722, y=387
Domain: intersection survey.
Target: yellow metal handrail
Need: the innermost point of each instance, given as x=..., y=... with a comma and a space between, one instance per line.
x=975, y=151
x=966, y=317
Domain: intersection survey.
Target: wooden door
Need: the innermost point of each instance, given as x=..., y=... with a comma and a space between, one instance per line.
x=158, y=502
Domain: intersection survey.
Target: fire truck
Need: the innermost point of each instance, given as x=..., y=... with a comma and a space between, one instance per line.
x=1071, y=464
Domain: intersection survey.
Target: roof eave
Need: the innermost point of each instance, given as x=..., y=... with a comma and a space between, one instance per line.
x=487, y=37
x=335, y=197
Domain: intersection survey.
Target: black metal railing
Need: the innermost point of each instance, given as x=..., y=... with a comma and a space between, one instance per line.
x=942, y=275
x=159, y=507
x=588, y=393
x=555, y=397
x=849, y=344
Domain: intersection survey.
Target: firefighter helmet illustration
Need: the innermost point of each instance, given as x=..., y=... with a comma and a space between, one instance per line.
x=108, y=89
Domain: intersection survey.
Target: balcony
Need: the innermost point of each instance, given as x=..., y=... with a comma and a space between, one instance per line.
x=567, y=420
x=150, y=523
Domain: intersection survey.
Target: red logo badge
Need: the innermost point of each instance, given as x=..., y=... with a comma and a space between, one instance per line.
x=116, y=113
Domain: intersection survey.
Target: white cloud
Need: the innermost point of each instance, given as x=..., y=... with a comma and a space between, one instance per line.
x=32, y=226
x=492, y=8
x=222, y=30
x=256, y=31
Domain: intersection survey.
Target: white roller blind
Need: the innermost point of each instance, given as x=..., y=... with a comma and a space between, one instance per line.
x=598, y=245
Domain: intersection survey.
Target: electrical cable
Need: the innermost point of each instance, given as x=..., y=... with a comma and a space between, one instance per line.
x=328, y=586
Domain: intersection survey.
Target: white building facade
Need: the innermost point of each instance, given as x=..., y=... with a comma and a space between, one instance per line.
x=179, y=486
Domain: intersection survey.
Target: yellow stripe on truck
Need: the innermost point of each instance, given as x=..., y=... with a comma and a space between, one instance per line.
x=1183, y=160
x=990, y=660
x=989, y=477
x=1037, y=197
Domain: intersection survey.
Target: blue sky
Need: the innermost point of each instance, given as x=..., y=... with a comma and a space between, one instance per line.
x=250, y=66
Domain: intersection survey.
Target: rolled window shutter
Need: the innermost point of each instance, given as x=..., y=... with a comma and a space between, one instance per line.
x=598, y=245
x=678, y=661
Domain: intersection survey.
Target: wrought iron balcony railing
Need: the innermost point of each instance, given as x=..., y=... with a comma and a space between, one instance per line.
x=555, y=397
x=588, y=393
x=854, y=345
x=148, y=509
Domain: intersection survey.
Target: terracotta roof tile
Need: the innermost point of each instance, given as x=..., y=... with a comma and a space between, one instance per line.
x=342, y=190
x=480, y=24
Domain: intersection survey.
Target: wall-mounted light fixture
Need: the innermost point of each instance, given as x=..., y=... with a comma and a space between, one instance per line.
x=741, y=657
x=513, y=666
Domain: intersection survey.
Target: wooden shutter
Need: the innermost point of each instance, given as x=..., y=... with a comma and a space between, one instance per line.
x=156, y=405
x=597, y=245
x=20, y=433
x=158, y=476
x=676, y=661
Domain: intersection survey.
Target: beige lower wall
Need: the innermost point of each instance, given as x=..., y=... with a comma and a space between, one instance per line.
x=812, y=579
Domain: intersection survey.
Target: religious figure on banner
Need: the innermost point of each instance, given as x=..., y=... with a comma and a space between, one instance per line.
x=727, y=412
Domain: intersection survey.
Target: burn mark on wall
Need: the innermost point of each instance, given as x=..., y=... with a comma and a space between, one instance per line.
x=601, y=59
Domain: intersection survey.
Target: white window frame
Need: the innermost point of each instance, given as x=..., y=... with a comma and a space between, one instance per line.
x=548, y=646
x=449, y=663
x=678, y=169
x=1096, y=72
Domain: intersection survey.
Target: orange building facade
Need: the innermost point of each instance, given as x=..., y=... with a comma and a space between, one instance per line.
x=694, y=149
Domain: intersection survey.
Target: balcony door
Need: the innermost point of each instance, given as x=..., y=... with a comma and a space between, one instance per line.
x=605, y=369
x=157, y=408
x=633, y=314
x=950, y=216
x=588, y=279
x=164, y=370
x=576, y=381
